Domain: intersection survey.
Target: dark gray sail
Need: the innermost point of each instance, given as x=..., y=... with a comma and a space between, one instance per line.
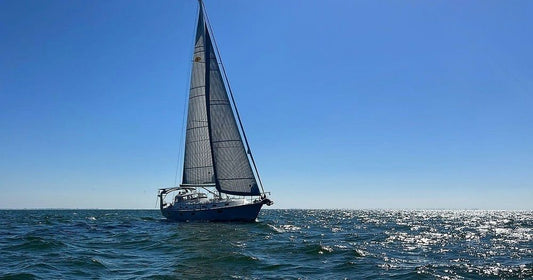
x=198, y=161
x=214, y=150
x=234, y=174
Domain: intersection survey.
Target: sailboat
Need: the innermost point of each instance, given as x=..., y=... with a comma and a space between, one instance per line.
x=218, y=182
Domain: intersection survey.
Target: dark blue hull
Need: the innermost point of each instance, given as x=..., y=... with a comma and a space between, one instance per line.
x=240, y=213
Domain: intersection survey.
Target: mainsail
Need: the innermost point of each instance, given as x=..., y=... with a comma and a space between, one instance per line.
x=198, y=162
x=214, y=150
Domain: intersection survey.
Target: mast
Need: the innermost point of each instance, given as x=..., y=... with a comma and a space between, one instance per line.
x=207, y=90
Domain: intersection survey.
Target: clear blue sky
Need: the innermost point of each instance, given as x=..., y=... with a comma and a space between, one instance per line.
x=347, y=104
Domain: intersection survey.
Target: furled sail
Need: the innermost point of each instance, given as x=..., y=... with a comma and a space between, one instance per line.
x=214, y=150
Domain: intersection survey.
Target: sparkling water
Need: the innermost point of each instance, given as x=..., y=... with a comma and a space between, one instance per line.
x=282, y=244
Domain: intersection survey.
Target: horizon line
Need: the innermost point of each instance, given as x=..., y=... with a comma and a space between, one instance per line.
x=156, y=209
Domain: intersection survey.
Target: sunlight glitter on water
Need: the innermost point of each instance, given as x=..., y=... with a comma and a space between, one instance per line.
x=291, y=244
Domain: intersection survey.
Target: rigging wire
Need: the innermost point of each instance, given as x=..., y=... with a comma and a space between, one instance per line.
x=249, y=151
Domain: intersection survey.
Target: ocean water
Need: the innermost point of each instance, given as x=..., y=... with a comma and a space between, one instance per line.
x=282, y=244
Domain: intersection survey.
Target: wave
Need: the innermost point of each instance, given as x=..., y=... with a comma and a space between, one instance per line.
x=35, y=243
x=292, y=244
x=18, y=276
